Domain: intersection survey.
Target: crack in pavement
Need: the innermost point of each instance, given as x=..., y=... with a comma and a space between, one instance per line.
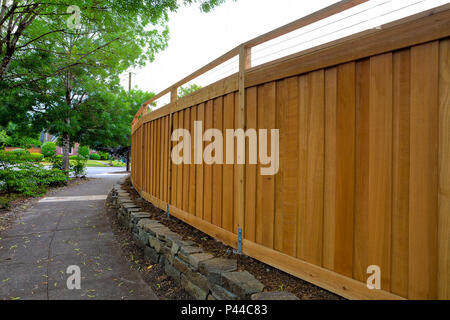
x=49, y=251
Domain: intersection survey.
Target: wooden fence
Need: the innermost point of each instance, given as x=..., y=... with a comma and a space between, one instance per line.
x=364, y=176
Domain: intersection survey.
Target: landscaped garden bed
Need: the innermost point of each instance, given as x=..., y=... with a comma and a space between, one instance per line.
x=273, y=279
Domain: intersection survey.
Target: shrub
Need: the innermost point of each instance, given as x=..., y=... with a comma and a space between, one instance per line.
x=83, y=151
x=30, y=179
x=36, y=157
x=104, y=155
x=48, y=149
x=57, y=162
x=73, y=157
x=79, y=167
x=95, y=156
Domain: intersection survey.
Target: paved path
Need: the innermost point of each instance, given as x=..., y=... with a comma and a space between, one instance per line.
x=53, y=235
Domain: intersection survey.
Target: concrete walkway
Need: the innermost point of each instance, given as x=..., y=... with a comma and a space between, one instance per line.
x=69, y=228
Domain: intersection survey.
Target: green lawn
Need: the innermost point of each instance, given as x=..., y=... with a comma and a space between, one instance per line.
x=96, y=163
x=104, y=163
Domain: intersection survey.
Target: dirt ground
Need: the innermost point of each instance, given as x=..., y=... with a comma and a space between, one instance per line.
x=164, y=287
x=273, y=279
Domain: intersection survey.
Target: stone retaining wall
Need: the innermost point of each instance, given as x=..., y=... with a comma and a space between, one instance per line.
x=202, y=275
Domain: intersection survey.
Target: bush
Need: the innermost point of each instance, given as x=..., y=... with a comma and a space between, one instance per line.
x=48, y=149
x=79, y=167
x=104, y=155
x=95, y=156
x=29, y=179
x=57, y=162
x=36, y=157
x=73, y=157
x=83, y=151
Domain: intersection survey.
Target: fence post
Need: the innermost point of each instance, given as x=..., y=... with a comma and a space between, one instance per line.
x=244, y=64
x=173, y=100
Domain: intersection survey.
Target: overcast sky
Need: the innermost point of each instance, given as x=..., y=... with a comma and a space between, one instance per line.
x=197, y=38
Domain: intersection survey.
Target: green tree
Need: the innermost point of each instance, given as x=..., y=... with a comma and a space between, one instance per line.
x=75, y=66
x=184, y=91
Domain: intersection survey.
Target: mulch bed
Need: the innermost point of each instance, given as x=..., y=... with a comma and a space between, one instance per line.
x=272, y=278
x=22, y=203
x=154, y=275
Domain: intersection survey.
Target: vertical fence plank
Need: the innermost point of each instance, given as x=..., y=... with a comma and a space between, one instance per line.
x=329, y=219
x=290, y=211
x=174, y=170
x=259, y=179
x=312, y=166
x=217, y=168
x=423, y=201
x=200, y=168
x=400, y=185
x=268, y=182
x=380, y=166
x=280, y=189
x=186, y=167
x=444, y=172
x=345, y=168
x=180, y=166
x=207, y=187
x=192, y=166
x=158, y=158
x=228, y=169
x=251, y=169
x=361, y=228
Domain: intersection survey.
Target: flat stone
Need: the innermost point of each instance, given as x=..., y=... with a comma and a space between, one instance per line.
x=180, y=265
x=196, y=292
x=163, y=233
x=176, y=245
x=148, y=224
x=140, y=215
x=222, y=294
x=143, y=236
x=198, y=279
x=129, y=206
x=123, y=194
x=158, y=228
x=155, y=243
x=172, y=272
x=186, y=251
x=124, y=201
x=214, y=268
x=196, y=258
x=276, y=295
x=243, y=284
x=171, y=237
x=151, y=255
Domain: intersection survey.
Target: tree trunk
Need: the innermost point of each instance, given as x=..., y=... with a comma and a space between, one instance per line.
x=128, y=161
x=110, y=160
x=66, y=150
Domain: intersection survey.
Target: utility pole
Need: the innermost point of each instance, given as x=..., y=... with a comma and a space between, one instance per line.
x=128, y=151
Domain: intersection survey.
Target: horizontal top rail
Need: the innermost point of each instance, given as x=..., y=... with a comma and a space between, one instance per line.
x=302, y=22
